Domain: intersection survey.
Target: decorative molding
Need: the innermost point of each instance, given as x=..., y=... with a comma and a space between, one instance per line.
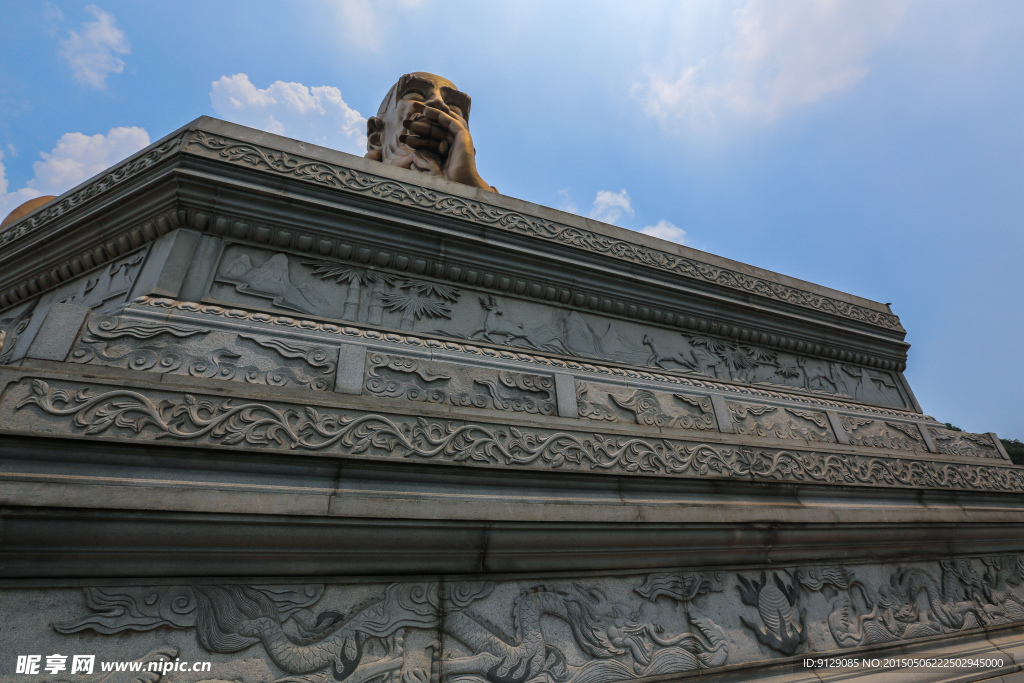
x=339, y=177
x=184, y=417
x=101, y=186
x=506, y=354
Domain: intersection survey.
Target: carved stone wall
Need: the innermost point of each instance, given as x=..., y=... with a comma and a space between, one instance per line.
x=582, y=630
x=386, y=298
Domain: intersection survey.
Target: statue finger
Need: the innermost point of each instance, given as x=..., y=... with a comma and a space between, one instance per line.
x=417, y=142
x=443, y=119
x=443, y=147
x=426, y=129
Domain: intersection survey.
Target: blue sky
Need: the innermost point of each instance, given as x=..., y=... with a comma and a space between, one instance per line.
x=876, y=147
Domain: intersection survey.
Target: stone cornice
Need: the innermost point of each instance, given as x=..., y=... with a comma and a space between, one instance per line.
x=351, y=180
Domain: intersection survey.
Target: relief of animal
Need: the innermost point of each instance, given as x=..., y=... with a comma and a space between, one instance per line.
x=494, y=326
x=700, y=360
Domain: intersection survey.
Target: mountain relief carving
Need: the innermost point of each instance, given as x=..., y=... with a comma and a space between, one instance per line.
x=436, y=382
x=197, y=352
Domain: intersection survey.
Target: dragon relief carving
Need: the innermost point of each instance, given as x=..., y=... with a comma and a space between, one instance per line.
x=350, y=180
x=393, y=636
x=864, y=431
x=949, y=442
x=783, y=423
x=228, y=422
x=916, y=604
x=110, y=342
x=783, y=627
x=415, y=380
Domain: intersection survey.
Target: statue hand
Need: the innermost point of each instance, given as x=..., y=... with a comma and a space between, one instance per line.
x=446, y=133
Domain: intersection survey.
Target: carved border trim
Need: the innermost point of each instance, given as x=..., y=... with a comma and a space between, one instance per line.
x=234, y=422
x=105, y=183
x=339, y=177
x=481, y=350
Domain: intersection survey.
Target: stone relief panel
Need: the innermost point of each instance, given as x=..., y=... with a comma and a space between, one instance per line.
x=591, y=630
x=64, y=408
x=610, y=403
x=883, y=434
x=369, y=295
x=587, y=629
x=204, y=314
x=752, y=419
x=414, y=379
x=107, y=286
x=197, y=352
x=13, y=326
x=949, y=442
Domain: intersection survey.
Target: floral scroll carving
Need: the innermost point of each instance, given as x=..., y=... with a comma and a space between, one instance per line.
x=202, y=420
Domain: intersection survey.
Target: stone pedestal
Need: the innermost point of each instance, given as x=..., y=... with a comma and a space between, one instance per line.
x=305, y=417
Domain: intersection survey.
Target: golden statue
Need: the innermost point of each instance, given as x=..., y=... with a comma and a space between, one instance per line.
x=423, y=125
x=25, y=209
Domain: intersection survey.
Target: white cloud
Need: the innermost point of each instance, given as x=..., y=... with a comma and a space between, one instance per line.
x=567, y=204
x=317, y=114
x=75, y=158
x=92, y=54
x=783, y=54
x=609, y=206
x=364, y=24
x=666, y=231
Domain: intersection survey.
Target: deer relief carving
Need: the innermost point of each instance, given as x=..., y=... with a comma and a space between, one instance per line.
x=700, y=360
x=497, y=326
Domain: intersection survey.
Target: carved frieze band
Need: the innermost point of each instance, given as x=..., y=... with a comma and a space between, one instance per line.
x=75, y=408
x=590, y=629
x=949, y=442
x=165, y=348
x=392, y=376
x=350, y=180
x=426, y=343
